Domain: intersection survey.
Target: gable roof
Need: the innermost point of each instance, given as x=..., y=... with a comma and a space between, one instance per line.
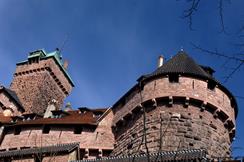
x=13, y=95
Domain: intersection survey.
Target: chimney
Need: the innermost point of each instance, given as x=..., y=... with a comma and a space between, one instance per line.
x=160, y=61
x=51, y=107
x=65, y=65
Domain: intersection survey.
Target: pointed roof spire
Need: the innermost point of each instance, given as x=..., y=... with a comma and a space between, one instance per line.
x=181, y=63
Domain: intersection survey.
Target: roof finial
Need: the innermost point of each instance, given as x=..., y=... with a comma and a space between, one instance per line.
x=181, y=49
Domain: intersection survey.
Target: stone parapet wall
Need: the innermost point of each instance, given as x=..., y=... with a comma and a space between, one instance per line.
x=187, y=87
x=212, y=120
x=49, y=65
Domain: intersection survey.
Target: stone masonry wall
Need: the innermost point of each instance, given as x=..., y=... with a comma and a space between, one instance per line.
x=211, y=129
x=100, y=138
x=174, y=128
x=37, y=84
x=36, y=91
x=187, y=87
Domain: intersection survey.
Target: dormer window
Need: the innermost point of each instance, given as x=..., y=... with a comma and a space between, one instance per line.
x=174, y=78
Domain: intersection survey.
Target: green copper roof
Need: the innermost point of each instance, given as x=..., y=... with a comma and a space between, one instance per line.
x=55, y=55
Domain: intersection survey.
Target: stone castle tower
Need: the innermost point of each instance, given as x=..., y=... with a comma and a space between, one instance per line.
x=178, y=106
x=41, y=79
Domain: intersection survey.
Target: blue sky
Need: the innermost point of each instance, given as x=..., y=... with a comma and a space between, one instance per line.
x=111, y=42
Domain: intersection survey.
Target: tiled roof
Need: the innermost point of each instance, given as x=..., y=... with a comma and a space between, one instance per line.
x=13, y=95
x=43, y=150
x=181, y=64
x=184, y=65
x=183, y=155
x=70, y=117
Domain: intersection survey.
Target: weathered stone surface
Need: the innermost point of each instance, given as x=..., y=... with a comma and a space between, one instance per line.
x=99, y=138
x=190, y=128
x=37, y=84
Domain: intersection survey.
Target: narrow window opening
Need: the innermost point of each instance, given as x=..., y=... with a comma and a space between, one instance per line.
x=193, y=84
x=232, y=103
x=106, y=153
x=46, y=129
x=174, y=78
x=211, y=85
x=17, y=130
x=77, y=130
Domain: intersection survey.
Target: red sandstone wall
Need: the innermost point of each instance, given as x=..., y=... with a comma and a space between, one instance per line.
x=37, y=84
x=59, y=158
x=193, y=129
x=101, y=138
x=161, y=87
x=200, y=130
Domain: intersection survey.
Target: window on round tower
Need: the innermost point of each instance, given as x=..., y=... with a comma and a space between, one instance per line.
x=174, y=78
x=211, y=85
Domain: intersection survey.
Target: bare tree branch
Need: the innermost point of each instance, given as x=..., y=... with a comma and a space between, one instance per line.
x=188, y=13
x=240, y=97
x=220, y=7
x=233, y=72
x=216, y=53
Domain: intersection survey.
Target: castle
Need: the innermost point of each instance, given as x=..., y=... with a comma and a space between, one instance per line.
x=178, y=107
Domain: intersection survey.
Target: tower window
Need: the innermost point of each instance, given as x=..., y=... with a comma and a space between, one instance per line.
x=46, y=129
x=17, y=130
x=211, y=85
x=174, y=78
x=77, y=130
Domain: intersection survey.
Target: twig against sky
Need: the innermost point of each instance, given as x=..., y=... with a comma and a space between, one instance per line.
x=194, y=6
x=216, y=53
x=188, y=13
x=221, y=15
